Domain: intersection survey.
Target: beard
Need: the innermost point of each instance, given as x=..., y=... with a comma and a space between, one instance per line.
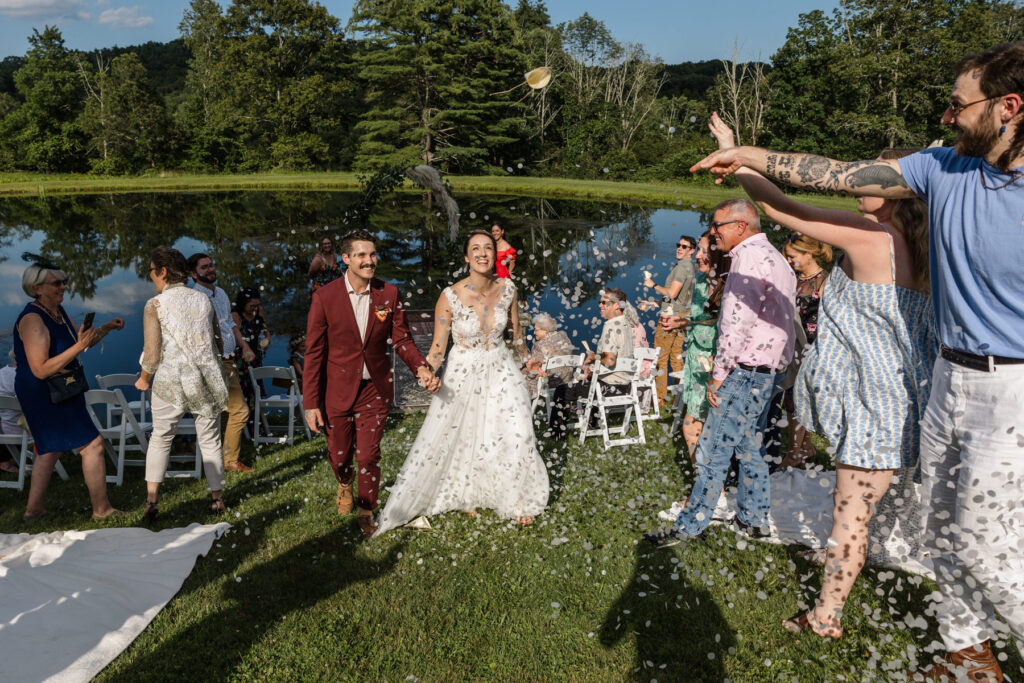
x=974, y=143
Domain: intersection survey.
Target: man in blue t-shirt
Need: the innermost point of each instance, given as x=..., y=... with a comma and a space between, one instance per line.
x=972, y=434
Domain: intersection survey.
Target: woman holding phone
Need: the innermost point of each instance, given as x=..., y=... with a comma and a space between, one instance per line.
x=46, y=346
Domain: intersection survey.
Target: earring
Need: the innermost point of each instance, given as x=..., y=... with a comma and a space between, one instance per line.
x=1002, y=130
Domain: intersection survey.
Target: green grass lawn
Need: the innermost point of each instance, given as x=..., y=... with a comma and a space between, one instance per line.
x=658, y=194
x=293, y=593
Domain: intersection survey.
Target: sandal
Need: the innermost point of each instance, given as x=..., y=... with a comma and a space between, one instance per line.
x=525, y=520
x=813, y=555
x=217, y=506
x=802, y=622
x=151, y=513
x=34, y=518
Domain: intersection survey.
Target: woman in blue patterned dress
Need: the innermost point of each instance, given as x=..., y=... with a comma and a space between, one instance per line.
x=864, y=382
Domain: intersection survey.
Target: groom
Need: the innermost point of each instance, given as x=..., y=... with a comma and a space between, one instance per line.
x=347, y=384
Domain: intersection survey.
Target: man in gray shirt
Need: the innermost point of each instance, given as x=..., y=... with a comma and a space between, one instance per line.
x=675, y=297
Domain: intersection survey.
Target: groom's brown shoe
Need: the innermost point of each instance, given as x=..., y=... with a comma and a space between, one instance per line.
x=345, y=499
x=366, y=523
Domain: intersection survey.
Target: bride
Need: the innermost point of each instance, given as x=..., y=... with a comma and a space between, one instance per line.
x=476, y=447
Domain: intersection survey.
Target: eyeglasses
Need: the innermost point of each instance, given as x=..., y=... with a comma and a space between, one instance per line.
x=715, y=226
x=955, y=108
x=57, y=283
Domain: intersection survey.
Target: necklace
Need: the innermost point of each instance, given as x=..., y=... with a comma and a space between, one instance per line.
x=1014, y=177
x=53, y=316
x=808, y=278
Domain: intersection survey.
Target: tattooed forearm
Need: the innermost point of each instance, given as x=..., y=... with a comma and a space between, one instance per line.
x=814, y=172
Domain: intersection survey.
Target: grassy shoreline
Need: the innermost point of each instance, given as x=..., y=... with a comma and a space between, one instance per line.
x=658, y=194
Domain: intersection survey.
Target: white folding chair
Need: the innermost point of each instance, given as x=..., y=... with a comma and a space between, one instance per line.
x=290, y=402
x=647, y=387
x=598, y=402
x=544, y=391
x=127, y=381
x=18, y=444
x=119, y=430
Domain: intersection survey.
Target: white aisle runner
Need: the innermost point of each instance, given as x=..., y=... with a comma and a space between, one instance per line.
x=71, y=601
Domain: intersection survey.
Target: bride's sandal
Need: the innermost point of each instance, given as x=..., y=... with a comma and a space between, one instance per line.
x=525, y=520
x=470, y=513
x=802, y=622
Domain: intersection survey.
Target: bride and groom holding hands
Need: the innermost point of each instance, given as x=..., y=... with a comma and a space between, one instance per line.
x=476, y=448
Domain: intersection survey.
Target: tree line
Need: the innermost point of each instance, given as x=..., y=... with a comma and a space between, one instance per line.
x=282, y=84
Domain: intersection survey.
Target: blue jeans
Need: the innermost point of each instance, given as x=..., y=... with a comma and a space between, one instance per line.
x=735, y=427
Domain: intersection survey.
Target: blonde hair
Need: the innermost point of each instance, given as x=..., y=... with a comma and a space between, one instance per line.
x=821, y=252
x=35, y=275
x=910, y=218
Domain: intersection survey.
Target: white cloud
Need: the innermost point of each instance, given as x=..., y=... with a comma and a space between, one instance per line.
x=123, y=17
x=44, y=9
x=118, y=298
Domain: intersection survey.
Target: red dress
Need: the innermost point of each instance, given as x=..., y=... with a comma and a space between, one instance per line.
x=503, y=260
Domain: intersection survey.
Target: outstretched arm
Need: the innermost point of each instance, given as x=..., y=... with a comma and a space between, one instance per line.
x=844, y=229
x=876, y=178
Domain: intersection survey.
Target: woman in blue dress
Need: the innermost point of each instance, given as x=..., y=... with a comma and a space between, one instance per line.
x=864, y=383
x=46, y=342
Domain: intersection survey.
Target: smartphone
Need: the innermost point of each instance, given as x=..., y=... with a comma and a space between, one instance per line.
x=89, y=317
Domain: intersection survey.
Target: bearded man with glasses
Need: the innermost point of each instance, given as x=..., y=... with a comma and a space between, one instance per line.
x=972, y=443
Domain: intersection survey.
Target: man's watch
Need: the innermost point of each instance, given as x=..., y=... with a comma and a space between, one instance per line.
x=665, y=300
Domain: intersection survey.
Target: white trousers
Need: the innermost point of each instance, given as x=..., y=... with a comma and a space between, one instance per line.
x=165, y=423
x=972, y=500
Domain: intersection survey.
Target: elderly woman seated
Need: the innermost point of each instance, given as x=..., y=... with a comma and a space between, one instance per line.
x=550, y=342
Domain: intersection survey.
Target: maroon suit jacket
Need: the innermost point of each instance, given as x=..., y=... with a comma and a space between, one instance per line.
x=335, y=353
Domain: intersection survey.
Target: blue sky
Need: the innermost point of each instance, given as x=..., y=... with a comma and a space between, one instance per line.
x=675, y=30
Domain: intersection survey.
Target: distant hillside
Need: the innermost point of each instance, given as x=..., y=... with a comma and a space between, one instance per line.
x=691, y=79
x=166, y=63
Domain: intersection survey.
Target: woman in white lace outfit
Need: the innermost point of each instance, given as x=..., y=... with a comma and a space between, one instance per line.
x=476, y=448
x=181, y=361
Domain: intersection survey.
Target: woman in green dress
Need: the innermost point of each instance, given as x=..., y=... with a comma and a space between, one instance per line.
x=701, y=337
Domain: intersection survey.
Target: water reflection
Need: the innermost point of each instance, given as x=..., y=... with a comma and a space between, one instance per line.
x=569, y=250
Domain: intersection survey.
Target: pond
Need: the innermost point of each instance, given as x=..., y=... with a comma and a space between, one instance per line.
x=569, y=250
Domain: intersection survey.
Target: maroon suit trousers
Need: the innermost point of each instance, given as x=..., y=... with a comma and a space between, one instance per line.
x=355, y=434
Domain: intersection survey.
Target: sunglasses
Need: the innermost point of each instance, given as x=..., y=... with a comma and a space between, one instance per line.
x=57, y=283
x=715, y=226
x=683, y=245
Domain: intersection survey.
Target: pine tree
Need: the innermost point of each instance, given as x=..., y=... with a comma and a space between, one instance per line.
x=42, y=134
x=430, y=69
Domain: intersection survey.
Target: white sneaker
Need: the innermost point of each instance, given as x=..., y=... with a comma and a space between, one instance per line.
x=672, y=514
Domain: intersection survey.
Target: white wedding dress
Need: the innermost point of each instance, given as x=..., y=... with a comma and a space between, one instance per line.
x=476, y=448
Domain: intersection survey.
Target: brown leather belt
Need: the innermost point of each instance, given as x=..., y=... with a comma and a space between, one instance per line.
x=983, y=363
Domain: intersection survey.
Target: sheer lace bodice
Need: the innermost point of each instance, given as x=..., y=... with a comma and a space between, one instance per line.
x=469, y=328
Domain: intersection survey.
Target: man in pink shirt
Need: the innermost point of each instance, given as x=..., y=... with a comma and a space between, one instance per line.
x=755, y=344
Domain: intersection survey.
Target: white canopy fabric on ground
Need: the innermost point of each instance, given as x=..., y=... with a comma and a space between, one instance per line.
x=801, y=513
x=71, y=601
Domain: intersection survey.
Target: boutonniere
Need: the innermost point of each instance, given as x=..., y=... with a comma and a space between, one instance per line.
x=382, y=312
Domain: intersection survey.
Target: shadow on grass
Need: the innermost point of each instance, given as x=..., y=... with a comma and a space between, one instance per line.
x=294, y=581
x=679, y=630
